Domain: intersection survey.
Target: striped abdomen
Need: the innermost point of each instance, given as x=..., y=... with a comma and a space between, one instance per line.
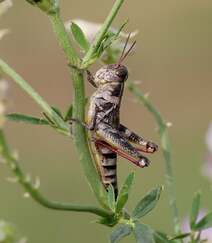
x=108, y=166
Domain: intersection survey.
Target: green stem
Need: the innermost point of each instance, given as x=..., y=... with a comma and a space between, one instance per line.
x=63, y=39
x=80, y=137
x=101, y=34
x=166, y=147
x=33, y=191
x=35, y=96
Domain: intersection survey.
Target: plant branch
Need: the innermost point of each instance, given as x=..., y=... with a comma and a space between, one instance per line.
x=62, y=126
x=33, y=190
x=64, y=40
x=166, y=147
x=101, y=34
x=79, y=133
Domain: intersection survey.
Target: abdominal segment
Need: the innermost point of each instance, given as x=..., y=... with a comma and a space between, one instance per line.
x=108, y=164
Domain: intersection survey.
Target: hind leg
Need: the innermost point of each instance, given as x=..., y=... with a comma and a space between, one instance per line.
x=119, y=144
x=149, y=147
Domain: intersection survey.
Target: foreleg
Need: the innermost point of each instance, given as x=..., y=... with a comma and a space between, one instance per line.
x=79, y=122
x=90, y=78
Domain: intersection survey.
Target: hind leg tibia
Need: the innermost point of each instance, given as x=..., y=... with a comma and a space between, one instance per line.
x=149, y=146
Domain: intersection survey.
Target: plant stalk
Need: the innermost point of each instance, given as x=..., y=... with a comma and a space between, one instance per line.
x=79, y=133
x=33, y=191
x=166, y=147
x=63, y=39
x=80, y=136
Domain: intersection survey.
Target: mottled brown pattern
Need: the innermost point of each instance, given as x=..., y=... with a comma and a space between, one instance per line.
x=112, y=138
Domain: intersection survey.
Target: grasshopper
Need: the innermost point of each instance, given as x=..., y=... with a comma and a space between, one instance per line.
x=109, y=137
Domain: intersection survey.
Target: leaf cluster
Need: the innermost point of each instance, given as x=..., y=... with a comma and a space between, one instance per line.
x=105, y=47
x=196, y=225
x=129, y=223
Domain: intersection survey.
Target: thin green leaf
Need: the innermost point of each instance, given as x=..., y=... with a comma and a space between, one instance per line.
x=111, y=198
x=57, y=111
x=160, y=237
x=79, y=37
x=180, y=236
x=99, y=51
x=109, y=38
x=69, y=113
x=49, y=120
x=120, y=232
x=147, y=203
x=124, y=192
x=204, y=223
x=103, y=45
x=113, y=36
x=195, y=209
x=143, y=233
x=27, y=119
x=121, y=27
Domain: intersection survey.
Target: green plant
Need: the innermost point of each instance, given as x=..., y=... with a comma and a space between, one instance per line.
x=111, y=212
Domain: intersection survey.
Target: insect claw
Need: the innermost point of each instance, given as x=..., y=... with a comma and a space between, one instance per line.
x=91, y=78
x=151, y=147
x=79, y=122
x=144, y=162
x=93, y=139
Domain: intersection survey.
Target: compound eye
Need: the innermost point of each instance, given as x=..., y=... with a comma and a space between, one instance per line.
x=121, y=73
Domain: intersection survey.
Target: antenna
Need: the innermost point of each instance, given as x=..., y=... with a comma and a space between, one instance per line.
x=126, y=54
x=123, y=56
x=125, y=45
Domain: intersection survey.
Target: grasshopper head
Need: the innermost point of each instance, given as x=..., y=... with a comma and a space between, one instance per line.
x=113, y=73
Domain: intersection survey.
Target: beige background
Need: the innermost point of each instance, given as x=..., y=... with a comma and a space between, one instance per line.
x=172, y=59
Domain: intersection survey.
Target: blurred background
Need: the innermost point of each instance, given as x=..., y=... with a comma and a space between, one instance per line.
x=173, y=60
